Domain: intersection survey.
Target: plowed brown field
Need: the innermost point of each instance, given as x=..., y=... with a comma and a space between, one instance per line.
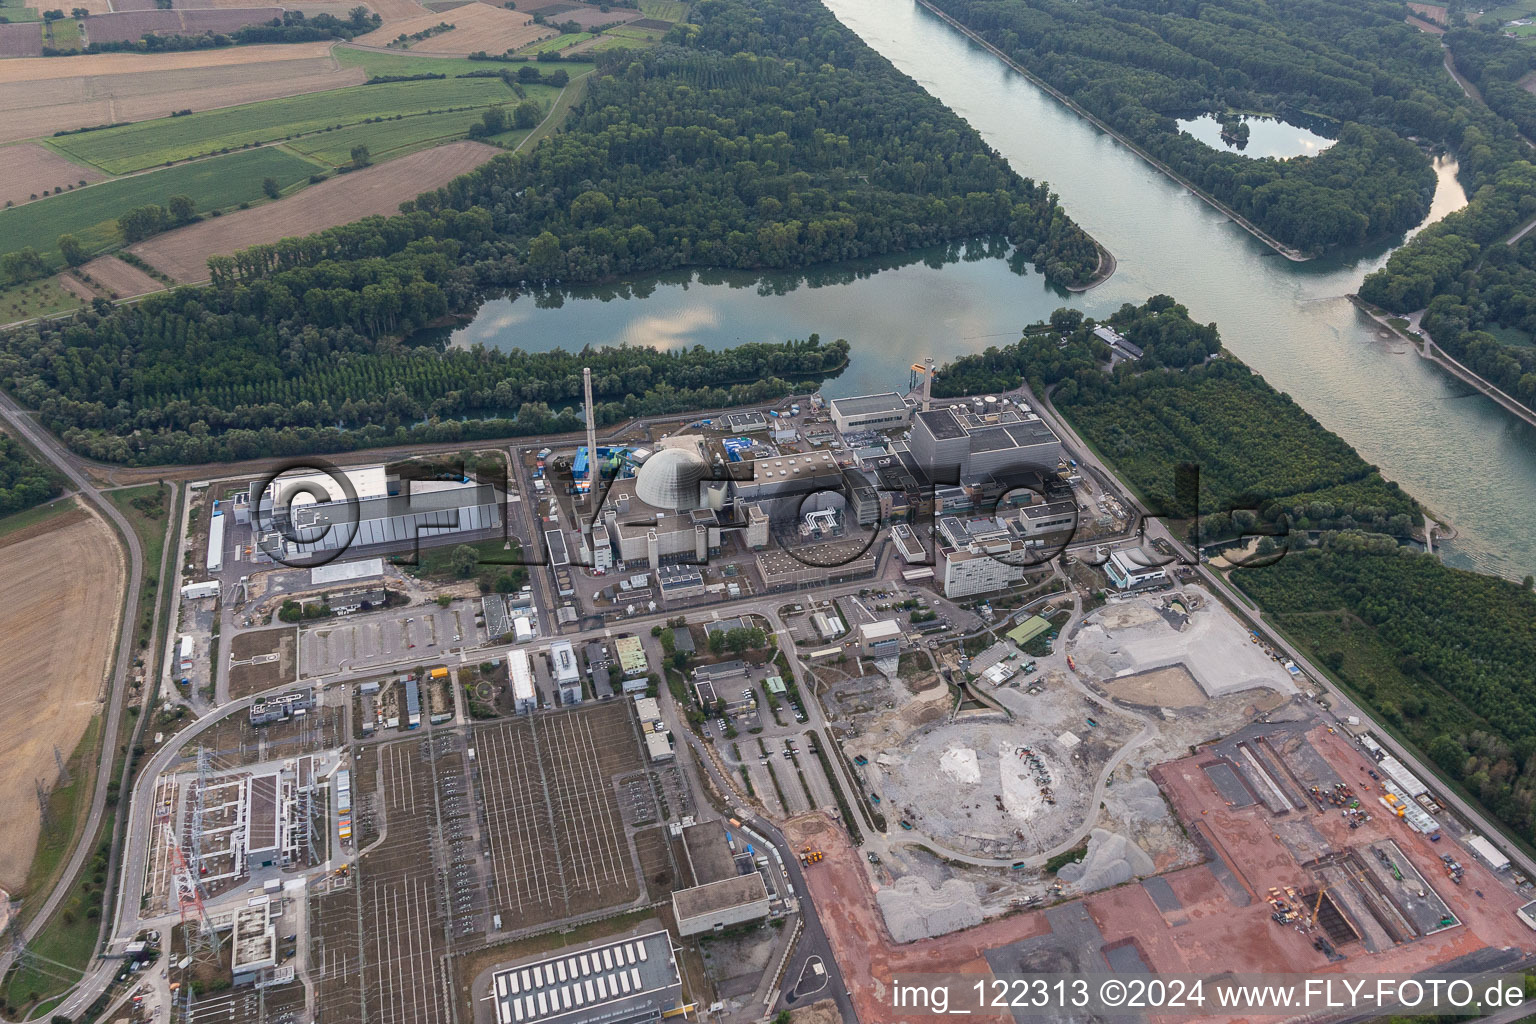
x=116, y=279
x=61, y=588
x=183, y=253
x=30, y=168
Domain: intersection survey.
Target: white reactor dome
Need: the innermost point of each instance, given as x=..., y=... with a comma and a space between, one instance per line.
x=670, y=479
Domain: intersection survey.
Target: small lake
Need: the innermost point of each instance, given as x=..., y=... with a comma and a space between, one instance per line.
x=1267, y=136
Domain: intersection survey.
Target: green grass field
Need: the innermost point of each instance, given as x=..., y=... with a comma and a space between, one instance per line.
x=387, y=138
x=560, y=42
x=18, y=11
x=35, y=298
x=664, y=10
x=406, y=64
x=630, y=32
x=64, y=34
x=150, y=143
x=90, y=214
x=617, y=42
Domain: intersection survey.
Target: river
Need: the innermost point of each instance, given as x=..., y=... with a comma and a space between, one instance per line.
x=1470, y=462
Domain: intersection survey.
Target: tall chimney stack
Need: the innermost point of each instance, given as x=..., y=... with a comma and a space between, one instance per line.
x=928, y=384
x=592, y=468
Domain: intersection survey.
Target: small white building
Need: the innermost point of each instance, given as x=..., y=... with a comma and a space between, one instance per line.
x=880, y=639
x=196, y=591
x=524, y=697
x=1132, y=569
x=1490, y=854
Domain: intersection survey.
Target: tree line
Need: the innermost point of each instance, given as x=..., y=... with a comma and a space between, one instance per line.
x=292, y=27
x=24, y=482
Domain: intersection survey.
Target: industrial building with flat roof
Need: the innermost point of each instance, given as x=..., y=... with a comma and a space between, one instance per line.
x=628, y=981
x=979, y=444
x=870, y=412
x=720, y=904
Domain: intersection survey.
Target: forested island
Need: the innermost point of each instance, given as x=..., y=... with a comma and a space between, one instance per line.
x=1138, y=66
x=763, y=135
x=1442, y=654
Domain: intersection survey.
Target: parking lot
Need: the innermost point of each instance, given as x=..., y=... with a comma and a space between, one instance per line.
x=376, y=639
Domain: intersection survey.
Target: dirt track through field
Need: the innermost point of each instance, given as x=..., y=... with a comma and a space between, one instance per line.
x=61, y=590
x=183, y=253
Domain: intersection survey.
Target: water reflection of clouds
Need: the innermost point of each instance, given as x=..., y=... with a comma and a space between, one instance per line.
x=673, y=330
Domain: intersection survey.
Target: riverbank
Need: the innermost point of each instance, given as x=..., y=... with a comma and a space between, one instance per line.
x=1295, y=255
x=1103, y=272
x=1425, y=348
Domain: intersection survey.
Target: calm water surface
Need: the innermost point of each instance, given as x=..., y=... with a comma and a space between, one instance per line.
x=1267, y=136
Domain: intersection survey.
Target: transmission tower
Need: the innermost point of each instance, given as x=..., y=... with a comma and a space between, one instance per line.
x=42, y=801
x=58, y=759
x=23, y=958
x=195, y=836
x=196, y=928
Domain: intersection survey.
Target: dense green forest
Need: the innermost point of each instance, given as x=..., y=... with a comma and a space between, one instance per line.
x=24, y=481
x=1478, y=293
x=763, y=135
x=1053, y=351
x=1444, y=655
x=1139, y=64
x=1262, y=458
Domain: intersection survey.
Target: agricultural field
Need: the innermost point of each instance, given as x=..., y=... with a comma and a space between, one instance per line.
x=110, y=278
x=23, y=40
x=149, y=143
x=406, y=63
x=48, y=94
x=35, y=298
x=475, y=27
x=31, y=170
x=639, y=32
x=61, y=588
x=664, y=10
x=560, y=42
x=64, y=34
x=129, y=26
x=388, y=139
x=378, y=190
x=592, y=17
x=18, y=11
x=90, y=214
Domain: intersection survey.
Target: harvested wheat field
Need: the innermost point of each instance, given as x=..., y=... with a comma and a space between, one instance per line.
x=115, y=279
x=30, y=168
x=128, y=26
x=39, y=97
x=475, y=27
x=379, y=190
x=61, y=590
